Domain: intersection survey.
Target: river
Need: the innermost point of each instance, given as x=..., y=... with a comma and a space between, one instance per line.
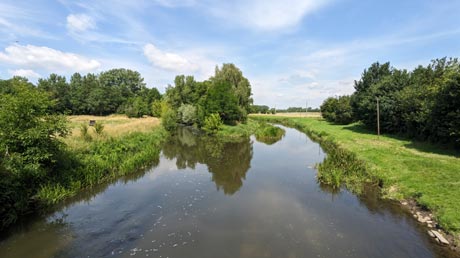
x=205, y=198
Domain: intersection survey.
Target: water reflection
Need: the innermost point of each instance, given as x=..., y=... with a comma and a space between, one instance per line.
x=173, y=210
x=228, y=162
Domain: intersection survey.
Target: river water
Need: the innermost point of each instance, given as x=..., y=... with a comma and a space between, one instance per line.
x=204, y=198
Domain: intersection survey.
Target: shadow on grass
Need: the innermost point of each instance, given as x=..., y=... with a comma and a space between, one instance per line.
x=422, y=146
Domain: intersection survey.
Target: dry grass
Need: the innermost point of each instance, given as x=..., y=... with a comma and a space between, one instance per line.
x=114, y=126
x=293, y=114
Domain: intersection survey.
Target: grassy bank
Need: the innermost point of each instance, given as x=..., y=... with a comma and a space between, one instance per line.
x=124, y=146
x=260, y=129
x=403, y=168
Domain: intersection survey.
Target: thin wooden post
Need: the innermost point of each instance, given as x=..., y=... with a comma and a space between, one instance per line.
x=306, y=108
x=378, y=118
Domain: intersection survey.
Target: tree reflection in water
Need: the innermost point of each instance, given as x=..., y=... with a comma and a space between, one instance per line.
x=228, y=162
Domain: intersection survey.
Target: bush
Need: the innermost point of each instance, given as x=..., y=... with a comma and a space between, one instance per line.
x=187, y=114
x=157, y=107
x=136, y=107
x=84, y=132
x=212, y=123
x=337, y=110
x=169, y=119
x=99, y=128
x=269, y=134
x=30, y=148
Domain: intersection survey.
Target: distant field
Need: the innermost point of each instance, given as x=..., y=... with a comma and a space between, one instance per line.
x=114, y=126
x=293, y=114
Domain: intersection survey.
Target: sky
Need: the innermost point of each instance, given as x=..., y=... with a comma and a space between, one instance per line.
x=294, y=52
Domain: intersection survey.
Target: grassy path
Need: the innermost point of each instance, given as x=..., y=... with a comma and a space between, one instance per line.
x=407, y=169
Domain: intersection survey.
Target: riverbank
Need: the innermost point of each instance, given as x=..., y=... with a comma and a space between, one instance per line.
x=122, y=146
x=404, y=169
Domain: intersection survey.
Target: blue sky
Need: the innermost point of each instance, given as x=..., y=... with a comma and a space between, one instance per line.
x=291, y=51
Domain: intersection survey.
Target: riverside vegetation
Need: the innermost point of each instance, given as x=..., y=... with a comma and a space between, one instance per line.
x=405, y=169
x=42, y=164
x=422, y=105
x=47, y=156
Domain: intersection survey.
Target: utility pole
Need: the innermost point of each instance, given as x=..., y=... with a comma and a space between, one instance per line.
x=378, y=117
x=306, y=108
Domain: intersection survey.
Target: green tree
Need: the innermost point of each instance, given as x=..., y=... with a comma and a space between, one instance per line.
x=363, y=99
x=28, y=131
x=187, y=114
x=240, y=86
x=328, y=109
x=137, y=107
x=445, y=115
x=221, y=100
x=58, y=90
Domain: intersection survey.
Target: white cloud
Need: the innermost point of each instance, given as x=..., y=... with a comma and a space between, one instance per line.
x=80, y=22
x=168, y=61
x=267, y=14
x=28, y=73
x=189, y=62
x=46, y=58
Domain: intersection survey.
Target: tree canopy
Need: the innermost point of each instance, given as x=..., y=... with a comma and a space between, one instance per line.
x=423, y=103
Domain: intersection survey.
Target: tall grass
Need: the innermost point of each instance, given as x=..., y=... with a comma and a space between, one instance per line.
x=102, y=160
x=268, y=133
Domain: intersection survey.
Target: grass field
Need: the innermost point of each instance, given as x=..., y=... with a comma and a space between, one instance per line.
x=125, y=145
x=114, y=126
x=409, y=170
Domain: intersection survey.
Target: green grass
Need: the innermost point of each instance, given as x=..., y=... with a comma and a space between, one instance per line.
x=405, y=169
x=102, y=160
x=79, y=167
x=269, y=134
x=264, y=132
x=229, y=133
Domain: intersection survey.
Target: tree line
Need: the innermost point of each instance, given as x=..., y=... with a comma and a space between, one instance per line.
x=114, y=91
x=423, y=103
x=264, y=109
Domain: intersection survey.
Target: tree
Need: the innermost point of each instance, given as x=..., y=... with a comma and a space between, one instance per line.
x=28, y=131
x=363, y=99
x=445, y=115
x=221, y=100
x=136, y=107
x=78, y=95
x=240, y=86
x=259, y=109
x=187, y=114
x=328, y=109
x=169, y=119
x=58, y=90
x=97, y=97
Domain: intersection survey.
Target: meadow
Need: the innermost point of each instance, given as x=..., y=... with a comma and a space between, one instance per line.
x=114, y=126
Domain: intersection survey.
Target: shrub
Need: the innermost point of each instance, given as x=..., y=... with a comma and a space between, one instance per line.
x=269, y=134
x=212, y=123
x=169, y=119
x=30, y=148
x=187, y=114
x=157, y=107
x=84, y=132
x=99, y=128
x=337, y=110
